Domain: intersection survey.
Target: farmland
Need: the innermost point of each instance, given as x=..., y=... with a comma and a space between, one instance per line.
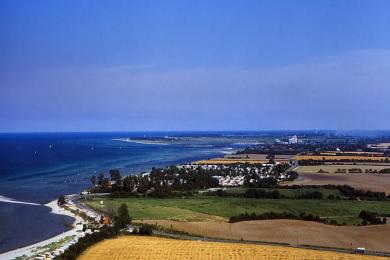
x=309, y=175
x=353, y=158
x=289, y=231
x=331, y=168
x=135, y=247
x=205, y=208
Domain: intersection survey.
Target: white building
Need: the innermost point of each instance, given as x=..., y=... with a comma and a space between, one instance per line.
x=293, y=140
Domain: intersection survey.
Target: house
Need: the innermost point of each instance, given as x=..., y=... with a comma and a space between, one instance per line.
x=106, y=220
x=360, y=250
x=130, y=228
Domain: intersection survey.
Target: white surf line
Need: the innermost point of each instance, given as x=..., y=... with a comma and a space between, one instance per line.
x=127, y=140
x=8, y=200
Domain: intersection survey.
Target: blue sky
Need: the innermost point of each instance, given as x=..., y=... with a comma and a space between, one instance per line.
x=194, y=65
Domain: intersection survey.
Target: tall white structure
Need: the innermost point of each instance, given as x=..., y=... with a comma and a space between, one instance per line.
x=293, y=140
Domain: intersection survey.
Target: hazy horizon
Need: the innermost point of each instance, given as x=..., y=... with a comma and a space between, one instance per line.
x=102, y=66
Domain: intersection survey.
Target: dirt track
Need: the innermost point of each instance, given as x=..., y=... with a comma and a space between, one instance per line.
x=376, y=238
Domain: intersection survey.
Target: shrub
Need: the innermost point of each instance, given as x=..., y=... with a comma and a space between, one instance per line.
x=145, y=230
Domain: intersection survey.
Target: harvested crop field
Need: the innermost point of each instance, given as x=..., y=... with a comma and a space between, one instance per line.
x=136, y=247
x=365, y=181
x=374, y=238
x=333, y=168
x=342, y=158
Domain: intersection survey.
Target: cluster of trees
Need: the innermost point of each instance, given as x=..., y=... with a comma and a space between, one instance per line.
x=162, y=180
x=260, y=193
x=321, y=162
x=254, y=181
x=353, y=193
x=61, y=200
x=283, y=215
x=355, y=170
x=102, y=183
x=371, y=218
x=145, y=230
x=386, y=170
x=347, y=191
x=368, y=218
x=83, y=243
x=310, y=162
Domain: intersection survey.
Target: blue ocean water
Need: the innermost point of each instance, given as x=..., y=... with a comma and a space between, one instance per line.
x=39, y=167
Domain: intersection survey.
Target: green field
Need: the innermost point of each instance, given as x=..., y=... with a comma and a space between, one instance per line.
x=292, y=193
x=200, y=208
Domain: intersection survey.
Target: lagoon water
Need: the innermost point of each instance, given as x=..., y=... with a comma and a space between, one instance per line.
x=39, y=167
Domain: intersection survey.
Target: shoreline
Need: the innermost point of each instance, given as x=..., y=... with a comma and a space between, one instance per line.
x=29, y=250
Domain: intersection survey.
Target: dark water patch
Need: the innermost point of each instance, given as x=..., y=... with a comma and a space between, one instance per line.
x=22, y=225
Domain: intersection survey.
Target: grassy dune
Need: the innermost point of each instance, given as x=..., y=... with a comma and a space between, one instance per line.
x=135, y=247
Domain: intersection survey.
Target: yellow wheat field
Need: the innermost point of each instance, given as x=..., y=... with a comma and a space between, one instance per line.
x=138, y=247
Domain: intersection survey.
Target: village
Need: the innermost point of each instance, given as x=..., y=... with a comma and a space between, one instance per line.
x=234, y=175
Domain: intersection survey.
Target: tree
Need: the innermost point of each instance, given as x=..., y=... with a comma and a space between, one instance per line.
x=115, y=175
x=145, y=230
x=93, y=180
x=100, y=178
x=129, y=182
x=61, y=200
x=105, y=183
x=123, y=217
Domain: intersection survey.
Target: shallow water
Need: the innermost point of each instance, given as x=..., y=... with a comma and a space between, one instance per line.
x=40, y=167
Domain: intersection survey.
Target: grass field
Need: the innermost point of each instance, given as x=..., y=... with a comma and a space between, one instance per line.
x=292, y=192
x=136, y=247
x=205, y=208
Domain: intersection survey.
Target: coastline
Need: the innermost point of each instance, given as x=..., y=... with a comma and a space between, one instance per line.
x=29, y=250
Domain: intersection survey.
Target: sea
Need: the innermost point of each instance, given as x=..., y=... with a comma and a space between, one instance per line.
x=38, y=167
